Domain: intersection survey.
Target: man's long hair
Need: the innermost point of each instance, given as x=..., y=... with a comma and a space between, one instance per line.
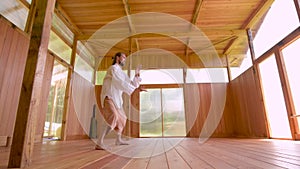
x=119, y=54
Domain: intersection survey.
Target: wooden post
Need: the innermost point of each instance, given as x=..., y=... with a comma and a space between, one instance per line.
x=68, y=90
x=289, y=103
x=228, y=69
x=24, y=131
x=128, y=109
x=257, y=78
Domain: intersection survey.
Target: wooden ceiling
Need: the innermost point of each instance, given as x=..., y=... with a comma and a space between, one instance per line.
x=130, y=26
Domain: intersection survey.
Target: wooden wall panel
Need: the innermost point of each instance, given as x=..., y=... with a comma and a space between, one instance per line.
x=248, y=107
x=200, y=94
x=13, y=52
x=80, y=108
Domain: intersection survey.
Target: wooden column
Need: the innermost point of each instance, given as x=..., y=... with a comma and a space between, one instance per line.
x=68, y=90
x=257, y=78
x=24, y=131
x=286, y=93
x=228, y=68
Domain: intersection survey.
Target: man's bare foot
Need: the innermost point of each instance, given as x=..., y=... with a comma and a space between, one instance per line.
x=102, y=147
x=118, y=142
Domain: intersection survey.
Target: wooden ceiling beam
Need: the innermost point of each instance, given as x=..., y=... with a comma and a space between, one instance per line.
x=131, y=25
x=207, y=32
x=194, y=20
x=249, y=23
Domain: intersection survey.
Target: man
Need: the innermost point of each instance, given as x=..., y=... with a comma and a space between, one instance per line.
x=115, y=83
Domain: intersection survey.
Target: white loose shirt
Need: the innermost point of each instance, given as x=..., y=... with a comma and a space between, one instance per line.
x=115, y=83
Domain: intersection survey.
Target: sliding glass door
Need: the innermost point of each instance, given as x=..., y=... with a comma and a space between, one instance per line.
x=162, y=113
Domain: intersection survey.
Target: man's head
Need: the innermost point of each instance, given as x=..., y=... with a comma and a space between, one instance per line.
x=119, y=58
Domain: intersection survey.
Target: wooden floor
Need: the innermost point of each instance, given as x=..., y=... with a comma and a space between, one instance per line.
x=166, y=153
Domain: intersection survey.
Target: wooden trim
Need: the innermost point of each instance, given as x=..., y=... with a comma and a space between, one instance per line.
x=286, y=92
x=297, y=5
x=152, y=86
x=77, y=137
x=68, y=91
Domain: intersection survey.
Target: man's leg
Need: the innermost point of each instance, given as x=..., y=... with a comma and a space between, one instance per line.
x=119, y=140
x=100, y=142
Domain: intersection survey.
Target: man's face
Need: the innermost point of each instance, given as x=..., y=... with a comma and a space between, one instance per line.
x=122, y=60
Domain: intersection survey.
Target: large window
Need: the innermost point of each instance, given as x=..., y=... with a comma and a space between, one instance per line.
x=291, y=56
x=280, y=20
x=274, y=100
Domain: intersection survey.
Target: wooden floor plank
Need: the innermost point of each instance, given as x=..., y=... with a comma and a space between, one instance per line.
x=266, y=155
x=173, y=158
x=165, y=153
x=193, y=160
x=158, y=157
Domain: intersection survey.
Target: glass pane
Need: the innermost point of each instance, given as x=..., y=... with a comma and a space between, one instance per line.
x=15, y=12
x=59, y=47
x=150, y=113
x=291, y=55
x=161, y=76
x=84, y=69
x=280, y=20
x=207, y=75
x=273, y=98
x=56, y=97
x=99, y=77
x=63, y=29
x=85, y=53
x=173, y=112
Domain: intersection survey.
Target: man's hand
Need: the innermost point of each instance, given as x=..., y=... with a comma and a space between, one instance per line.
x=142, y=89
x=137, y=69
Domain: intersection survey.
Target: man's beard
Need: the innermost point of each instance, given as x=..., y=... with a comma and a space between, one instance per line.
x=122, y=63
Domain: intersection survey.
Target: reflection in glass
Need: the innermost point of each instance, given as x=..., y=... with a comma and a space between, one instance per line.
x=150, y=113
x=173, y=109
x=162, y=113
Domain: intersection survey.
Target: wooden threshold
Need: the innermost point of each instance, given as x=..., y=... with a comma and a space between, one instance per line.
x=165, y=153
